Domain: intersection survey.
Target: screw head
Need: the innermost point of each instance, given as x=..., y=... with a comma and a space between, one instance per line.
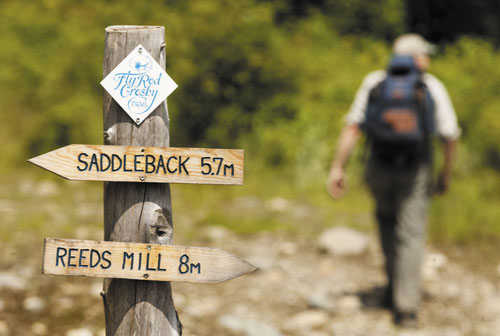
x=145, y=276
x=142, y=178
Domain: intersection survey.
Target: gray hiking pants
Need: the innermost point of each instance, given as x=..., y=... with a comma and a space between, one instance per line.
x=401, y=198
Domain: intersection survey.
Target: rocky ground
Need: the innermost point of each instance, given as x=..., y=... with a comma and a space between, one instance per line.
x=328, y=288
x=321, y=284
x=332, y=289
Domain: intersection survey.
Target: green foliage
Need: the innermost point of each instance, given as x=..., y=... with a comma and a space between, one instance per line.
x=266, y=76
x=229, y=72
x=449, y=20
x=378, y=18
x=468, y=214
x=50, y=79
x=470, y=71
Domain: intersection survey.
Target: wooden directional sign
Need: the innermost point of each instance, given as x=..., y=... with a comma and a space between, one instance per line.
x=145, y=164
x=141, y=261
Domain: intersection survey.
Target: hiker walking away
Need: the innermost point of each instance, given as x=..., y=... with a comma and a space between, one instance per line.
x=399, y=110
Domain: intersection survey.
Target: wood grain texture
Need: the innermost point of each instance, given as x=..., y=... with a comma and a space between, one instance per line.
x=145, y=164
x=141, y=261
x=137, y=212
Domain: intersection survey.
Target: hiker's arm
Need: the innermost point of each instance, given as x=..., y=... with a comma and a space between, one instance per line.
x=336, y=183
x=449, y=150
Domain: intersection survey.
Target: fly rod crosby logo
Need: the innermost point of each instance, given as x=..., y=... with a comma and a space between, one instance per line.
x=138, y=88
x=139, y=84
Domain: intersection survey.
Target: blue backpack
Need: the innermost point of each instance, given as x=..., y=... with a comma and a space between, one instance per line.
x=400, y=115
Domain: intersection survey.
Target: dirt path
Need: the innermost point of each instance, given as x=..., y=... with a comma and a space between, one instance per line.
x=299, y=291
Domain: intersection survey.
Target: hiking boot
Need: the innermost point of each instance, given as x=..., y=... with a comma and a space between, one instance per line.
x=406, y=319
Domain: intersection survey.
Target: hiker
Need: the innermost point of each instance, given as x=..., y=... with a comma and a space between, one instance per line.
x=399, y=110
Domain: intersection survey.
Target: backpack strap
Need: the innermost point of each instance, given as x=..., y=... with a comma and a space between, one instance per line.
x=425, y=108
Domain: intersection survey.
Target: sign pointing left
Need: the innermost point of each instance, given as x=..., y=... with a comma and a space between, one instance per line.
x=145, y=164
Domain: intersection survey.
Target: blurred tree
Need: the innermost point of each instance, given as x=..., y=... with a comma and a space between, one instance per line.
x=447, y=20
x=439, y=21
x=277, y=76
x=232, y=63
x=378, y=18
x=239, y=67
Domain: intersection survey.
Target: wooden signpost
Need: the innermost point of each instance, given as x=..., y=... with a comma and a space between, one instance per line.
x=141, y=261
x=145, y=164
x=138, y=225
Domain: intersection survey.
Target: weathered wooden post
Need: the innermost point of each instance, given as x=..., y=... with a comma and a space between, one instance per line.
x=135, y=163
x=137, y=212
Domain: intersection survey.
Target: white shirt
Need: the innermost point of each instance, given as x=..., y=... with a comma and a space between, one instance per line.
x=445, y=117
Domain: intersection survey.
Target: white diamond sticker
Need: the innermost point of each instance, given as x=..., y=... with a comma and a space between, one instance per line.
x=139, y=84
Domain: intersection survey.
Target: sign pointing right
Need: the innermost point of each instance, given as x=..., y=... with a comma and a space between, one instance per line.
x=141, y=261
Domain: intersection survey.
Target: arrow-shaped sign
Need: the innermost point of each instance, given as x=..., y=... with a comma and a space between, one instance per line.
x=145, y=164
x=141, y=261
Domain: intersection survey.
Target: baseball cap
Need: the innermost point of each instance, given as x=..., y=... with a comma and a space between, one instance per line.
x=412, y=44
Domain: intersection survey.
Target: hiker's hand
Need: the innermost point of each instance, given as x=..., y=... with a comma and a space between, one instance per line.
x=336, y=183
x=442, y=183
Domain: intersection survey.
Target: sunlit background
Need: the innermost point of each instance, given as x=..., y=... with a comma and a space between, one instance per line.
x=274, y=78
